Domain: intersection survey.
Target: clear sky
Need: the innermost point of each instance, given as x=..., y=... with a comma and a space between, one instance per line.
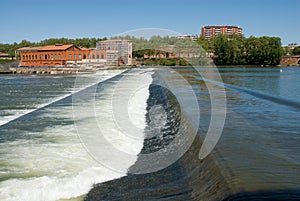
x=35, y=20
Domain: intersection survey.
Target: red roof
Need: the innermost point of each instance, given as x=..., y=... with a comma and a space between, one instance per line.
x=55, y=47
x=84, y=48
x=58, y=47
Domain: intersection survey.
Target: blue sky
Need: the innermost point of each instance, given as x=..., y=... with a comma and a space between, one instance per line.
x=35, y=20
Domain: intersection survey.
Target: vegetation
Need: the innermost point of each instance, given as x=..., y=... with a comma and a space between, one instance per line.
x=238, y=50
x=226, y=50
x=296, y=51
x=165, y=62
x=3, y=61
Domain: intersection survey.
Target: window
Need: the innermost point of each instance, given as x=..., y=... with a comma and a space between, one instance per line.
x=93, y=56
x=79, y=56
x=74, y=56
x=46, y=57
x=29, y=57
x=23, y=57
x=35, y=57
x=58, y=56
x=70, y=56
x=98, y=56
x=102, y=56
x=89, y=56
x=84, y=56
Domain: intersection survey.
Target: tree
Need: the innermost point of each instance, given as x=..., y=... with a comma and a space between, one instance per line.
x=223, y=50
x=296, y=50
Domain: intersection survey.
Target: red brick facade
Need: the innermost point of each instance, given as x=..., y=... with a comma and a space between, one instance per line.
x=292, y=60
x=56, y=55
x=209, y=32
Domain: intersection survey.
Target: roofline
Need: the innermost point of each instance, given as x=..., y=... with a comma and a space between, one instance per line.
x=214, y=26
x=120, y=40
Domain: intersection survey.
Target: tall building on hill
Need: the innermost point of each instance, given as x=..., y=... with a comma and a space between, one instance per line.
x=209, y=32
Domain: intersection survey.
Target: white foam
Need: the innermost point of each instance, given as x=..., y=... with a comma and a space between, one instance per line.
x=103, y=122
x=51, y=167
x=100, y=77
x=54, y=164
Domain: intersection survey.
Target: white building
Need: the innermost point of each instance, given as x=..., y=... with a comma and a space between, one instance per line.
x=117, y=51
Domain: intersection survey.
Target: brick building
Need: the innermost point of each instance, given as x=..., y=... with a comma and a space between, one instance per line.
x=209, y=32
x=56, y=55
x=290, y=60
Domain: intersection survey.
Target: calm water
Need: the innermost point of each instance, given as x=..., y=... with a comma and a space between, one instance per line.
x=42, y=157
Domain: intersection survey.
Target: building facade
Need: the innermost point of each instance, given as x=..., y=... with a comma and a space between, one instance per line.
x=52, y=55
x=109, y=52
x=57, y=55
x=118, y=52
x=210, y=32
x=95, y=58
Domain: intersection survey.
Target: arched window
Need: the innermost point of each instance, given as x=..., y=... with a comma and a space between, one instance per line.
x=84, y=56
x=98, y=56
x=102, y=56
x=23, y=57
x=93, y=56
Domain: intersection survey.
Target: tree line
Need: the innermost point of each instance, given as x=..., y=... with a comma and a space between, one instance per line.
x=238, y=50
x=224, y=49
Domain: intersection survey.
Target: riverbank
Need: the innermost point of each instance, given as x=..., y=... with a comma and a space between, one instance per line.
x=60, y=70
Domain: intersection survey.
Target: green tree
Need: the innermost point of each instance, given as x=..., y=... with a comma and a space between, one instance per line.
x=296, y=50
x=223, y=50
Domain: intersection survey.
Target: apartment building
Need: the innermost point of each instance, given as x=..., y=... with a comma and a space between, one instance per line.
x=210, y=32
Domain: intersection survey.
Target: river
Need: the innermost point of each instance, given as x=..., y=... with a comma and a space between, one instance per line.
x=63, y=137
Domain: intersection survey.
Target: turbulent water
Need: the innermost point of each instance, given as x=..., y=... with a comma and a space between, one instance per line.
x=53, y=131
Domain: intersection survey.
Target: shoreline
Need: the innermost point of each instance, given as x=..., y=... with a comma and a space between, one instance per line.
x=49, y=71
x=60, y=70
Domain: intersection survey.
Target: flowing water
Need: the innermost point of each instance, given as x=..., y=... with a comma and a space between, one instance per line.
x=46, y=154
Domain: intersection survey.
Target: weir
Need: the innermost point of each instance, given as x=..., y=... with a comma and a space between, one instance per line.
x=245, y=165
x=187, y=179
